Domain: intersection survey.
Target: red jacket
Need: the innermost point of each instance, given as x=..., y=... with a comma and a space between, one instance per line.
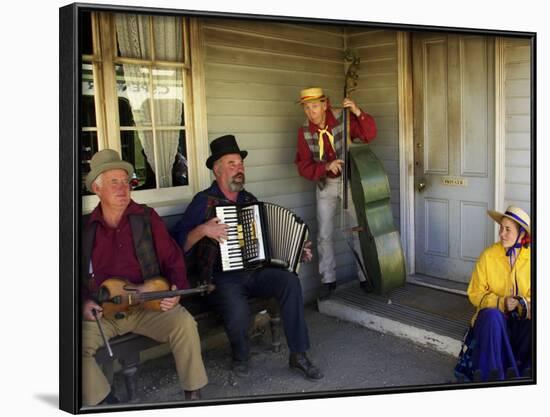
x=113, y=253
x=362, y=127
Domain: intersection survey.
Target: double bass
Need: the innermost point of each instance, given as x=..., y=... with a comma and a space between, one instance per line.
x=381, y=250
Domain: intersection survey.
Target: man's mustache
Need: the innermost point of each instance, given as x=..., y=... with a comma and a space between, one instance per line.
x=238, y=176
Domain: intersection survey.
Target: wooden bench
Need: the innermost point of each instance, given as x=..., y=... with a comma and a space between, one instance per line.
x=126, y=349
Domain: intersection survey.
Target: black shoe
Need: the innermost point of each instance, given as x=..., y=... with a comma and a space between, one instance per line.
x=240, y=368
x=110, y=399
x=365, y=286
x=327, y=290
x=477, y=375
x=510, y=373
x=300, y=362
x=192, y=395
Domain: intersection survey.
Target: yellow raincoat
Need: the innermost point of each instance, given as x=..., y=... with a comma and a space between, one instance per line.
x=493, y=278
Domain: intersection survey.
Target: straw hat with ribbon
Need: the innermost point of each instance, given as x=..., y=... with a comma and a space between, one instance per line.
x=521, y=218
x=513, y=213
x=311, y=94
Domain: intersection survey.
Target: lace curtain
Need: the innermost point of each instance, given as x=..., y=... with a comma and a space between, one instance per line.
x=134, y=42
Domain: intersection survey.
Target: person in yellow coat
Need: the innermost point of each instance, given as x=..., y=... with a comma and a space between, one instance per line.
x=500, y=288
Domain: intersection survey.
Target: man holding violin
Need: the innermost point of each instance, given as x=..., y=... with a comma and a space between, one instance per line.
x=129, y=241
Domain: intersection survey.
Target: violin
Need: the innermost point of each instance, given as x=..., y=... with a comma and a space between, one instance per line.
x=117, y=296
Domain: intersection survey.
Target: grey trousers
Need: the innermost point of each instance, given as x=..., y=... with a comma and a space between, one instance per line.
x=328, y=201
x=177, y=327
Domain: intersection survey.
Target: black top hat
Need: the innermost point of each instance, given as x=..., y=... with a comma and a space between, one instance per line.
x=222, y=146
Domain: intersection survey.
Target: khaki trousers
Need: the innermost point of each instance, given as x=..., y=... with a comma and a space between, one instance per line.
x=328, y=202
x=177, y=327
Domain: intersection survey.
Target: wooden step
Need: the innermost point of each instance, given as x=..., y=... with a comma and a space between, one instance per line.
x=425, y=315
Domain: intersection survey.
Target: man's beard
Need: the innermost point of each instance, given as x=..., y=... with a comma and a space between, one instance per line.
x=236, y=186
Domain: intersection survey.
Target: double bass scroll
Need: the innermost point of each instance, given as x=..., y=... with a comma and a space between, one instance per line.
x=349, y=85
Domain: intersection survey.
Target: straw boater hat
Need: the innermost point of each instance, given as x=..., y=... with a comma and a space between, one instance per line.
x=222, y=146
x=106, y=160
x=514, y=213
x=311, y=94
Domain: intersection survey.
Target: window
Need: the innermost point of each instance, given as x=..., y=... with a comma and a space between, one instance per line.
x=136, y=90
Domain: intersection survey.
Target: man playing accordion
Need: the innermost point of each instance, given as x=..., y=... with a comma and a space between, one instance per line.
x=200, y=232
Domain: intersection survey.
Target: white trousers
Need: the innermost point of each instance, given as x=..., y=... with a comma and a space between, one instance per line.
x=328, y=200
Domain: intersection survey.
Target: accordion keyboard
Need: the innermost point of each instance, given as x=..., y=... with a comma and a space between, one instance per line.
x=230, y=250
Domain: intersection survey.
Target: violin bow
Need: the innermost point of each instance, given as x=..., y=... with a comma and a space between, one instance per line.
x=105, y=340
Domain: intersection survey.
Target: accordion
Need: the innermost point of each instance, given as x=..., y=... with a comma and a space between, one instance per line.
x=261, y=234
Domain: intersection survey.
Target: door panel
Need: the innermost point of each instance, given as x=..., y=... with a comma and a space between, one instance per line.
x=454, y=152
x=474, y=129
x=436, y=227
x=473, y=217
x=436, y=140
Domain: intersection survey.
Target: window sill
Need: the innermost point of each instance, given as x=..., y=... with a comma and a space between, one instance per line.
x=166, y=202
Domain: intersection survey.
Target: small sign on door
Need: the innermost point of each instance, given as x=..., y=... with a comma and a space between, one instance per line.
x=457, y=181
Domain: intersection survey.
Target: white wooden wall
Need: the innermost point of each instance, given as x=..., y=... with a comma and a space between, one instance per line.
x=255, y=70
x=518, y=119
x=254, y=73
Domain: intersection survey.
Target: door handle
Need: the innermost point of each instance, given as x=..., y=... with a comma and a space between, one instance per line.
x=421, y=185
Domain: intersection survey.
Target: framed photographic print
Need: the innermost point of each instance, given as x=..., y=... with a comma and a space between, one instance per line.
x=392, y=167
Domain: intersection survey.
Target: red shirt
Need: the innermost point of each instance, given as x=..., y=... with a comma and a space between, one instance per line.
x=113, y=253
x=362, y=127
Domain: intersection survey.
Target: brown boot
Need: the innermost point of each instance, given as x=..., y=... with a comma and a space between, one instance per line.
x=192, y=395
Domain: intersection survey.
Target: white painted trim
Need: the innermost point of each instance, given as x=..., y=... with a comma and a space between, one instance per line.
x=172, y=200
x=406, y=147
x=201, y=145
x=109, y=85
x=500, y=126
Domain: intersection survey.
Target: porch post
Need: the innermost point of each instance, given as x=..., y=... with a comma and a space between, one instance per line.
x=500, y=126
x=201, y=147
x=406, y=147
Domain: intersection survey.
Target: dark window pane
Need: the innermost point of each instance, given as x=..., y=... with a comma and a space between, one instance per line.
x=88, y=148
x=87, y=111
x=132, y=148
x=180, y=171
x=133, y=152
x=125, y=112
x=86, y=45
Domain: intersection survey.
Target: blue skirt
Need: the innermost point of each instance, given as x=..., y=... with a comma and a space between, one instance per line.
x=495, y=346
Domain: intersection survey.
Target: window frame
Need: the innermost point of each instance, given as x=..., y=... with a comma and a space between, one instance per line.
x=104, y=61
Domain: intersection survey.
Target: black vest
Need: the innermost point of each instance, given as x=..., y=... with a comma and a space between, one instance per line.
x=142, y=235
x=207, y=251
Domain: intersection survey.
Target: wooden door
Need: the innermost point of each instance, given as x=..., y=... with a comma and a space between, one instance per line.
x=453, y=79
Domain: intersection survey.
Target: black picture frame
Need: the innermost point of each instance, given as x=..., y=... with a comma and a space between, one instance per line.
x=70, y=204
